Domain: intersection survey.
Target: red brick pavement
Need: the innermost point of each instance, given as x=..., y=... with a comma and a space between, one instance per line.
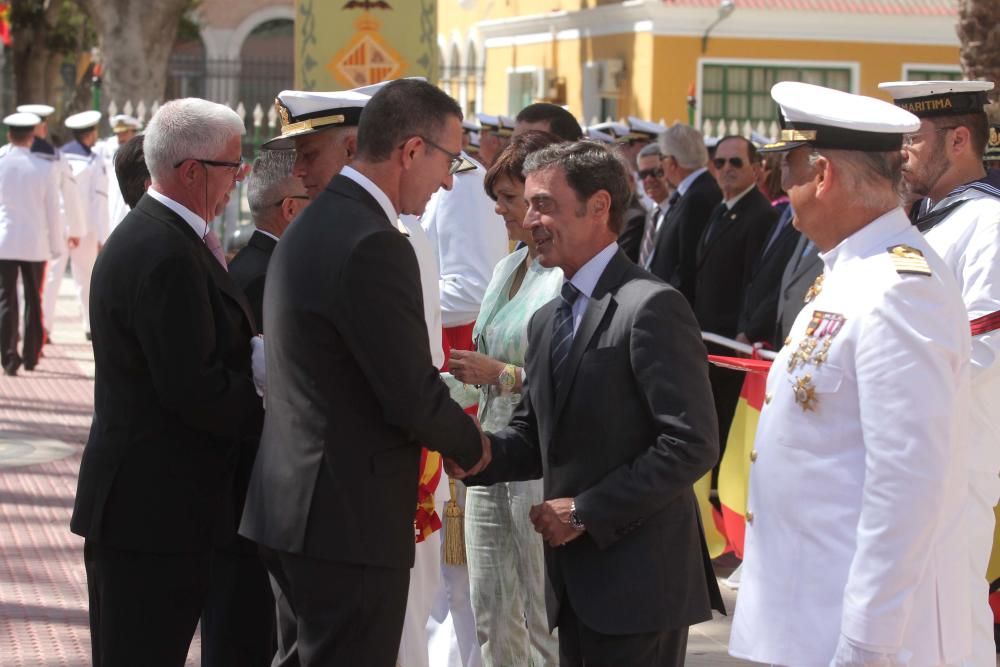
x=43, y=586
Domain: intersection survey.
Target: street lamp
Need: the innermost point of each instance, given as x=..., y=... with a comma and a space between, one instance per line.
x=726, y=8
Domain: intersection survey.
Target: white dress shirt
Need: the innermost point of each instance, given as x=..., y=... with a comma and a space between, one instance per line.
x=195, y=221
x=375, y=191
x=686, y=182
x=585, y=280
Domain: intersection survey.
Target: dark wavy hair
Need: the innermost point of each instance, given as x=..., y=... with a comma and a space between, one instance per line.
x=510, y=162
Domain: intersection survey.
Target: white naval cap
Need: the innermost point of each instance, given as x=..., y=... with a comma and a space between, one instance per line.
x=645, y=128
x=40, y=110
x=123, y=122
x=22, y=119
x=469, y=126
x=619, y=131
x=499, y=125
x=828, y=118
x=83, y=120
x=302, y=112
x=598, y=135
x=939, y=98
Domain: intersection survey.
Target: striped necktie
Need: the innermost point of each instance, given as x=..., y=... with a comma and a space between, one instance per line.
x=646, y=247
x=562, y=334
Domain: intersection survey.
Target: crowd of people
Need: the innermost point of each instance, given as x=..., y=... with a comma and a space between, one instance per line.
x=448, y=404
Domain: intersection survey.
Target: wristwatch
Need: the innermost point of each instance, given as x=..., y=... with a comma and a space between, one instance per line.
x=574, y=519
x=507, y=378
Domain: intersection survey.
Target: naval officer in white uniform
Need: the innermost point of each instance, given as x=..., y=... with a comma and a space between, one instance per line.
x=855, y=543
x=960, y=216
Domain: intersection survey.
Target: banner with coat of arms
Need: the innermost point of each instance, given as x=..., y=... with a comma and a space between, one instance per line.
x=341, y=44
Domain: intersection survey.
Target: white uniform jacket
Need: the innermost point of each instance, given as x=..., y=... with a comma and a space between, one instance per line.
x=860, y=467
x=117, y=208
x=31, y=226
x=91, y=176
x=469, y=239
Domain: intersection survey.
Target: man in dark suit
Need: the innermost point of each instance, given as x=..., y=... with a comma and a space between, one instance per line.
x=731, y=243
x=174, y=399
x=760, y=299
x=276, y=197
x=351, y=391
x=801, y=271
x=626, y=562
x=696, y=195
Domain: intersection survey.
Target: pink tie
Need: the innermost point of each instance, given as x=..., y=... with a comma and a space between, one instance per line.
x=215, y=245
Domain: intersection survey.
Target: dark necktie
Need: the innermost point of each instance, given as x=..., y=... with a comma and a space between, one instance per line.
x=562, y=332
x=715, y=222
x=646, y=246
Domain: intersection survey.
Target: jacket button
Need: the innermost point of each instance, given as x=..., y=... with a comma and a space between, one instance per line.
x=749, y=516
x=788, y=340
x=753, y=455
x=768, y=398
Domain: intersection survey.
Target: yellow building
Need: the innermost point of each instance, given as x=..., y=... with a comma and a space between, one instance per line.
x=652, y=58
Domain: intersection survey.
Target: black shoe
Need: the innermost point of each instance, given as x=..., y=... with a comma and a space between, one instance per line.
x=12, y=372
x=29, y=367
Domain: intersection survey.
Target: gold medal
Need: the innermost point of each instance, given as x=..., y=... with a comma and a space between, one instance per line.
x=805, y=393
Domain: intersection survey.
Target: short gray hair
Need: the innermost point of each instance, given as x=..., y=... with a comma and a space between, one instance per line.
x=270, y=178
x=648, y=150
x=188, y=128
x=874, y=177
x=685, y=144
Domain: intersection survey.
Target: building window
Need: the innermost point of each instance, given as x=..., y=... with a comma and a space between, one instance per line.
x=914, y=74
x=743, y=92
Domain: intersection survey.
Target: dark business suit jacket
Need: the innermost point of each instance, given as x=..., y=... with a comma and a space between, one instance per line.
x=676, y=257
x=630, y=238
x=174, y=400
x=642, y=565
x=760, y=299
x=249, y=268
x=352, y=392
x=800, y=273
x=725, y=261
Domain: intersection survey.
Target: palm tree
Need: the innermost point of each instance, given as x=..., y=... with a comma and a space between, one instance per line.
x=979, y=32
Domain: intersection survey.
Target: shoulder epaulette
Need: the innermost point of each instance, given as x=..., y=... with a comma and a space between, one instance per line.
x=907, y=259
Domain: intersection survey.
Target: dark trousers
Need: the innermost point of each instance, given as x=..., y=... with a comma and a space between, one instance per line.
x=346, y=615
x=144, y=607
x=237, y=623
x=580, y=646
x=31, y=277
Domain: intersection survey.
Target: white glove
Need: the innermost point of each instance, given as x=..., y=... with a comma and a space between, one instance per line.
x=849, y=654
x=257, y=364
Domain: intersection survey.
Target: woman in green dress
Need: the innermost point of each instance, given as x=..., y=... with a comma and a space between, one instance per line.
x=506, y=562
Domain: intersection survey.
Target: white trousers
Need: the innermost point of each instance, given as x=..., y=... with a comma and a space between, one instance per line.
x=983, y=495
x=81, y=259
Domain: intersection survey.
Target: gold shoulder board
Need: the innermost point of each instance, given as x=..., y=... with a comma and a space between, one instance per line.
x=907, y=259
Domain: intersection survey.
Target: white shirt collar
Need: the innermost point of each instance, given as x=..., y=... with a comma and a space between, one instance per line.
x=195, y=221
x=586, y=278
x=683, y=186
x=374, y=190
x=730, y=203
x=261, y=231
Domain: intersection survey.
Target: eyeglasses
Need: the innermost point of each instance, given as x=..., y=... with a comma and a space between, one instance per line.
x=735, y=162
x=456, y=158
x=910, y=139
x=237, y=167
x=656, y=172
x=282, y=200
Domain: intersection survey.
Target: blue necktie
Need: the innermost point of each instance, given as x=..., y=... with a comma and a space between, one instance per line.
x=562, y=333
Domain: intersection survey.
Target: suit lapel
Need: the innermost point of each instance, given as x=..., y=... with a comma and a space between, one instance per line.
x=219, y=275
x=722, y=227
x=597, y=308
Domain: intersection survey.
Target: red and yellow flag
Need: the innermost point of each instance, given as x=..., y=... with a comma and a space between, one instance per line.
x=724, y=531
x=5, y=23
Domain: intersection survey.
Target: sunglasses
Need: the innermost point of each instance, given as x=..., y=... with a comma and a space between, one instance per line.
x=735, y=162
x=651, y=173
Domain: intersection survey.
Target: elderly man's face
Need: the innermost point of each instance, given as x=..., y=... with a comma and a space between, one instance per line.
x=732, y=162
x=798, y=180
x=221, y=179
x=654, y=182
x=320, y=156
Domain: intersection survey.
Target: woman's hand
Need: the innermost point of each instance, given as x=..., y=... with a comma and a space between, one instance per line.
x=474, y=368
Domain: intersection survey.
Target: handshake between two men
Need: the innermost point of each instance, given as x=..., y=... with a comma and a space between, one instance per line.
x=551, y=518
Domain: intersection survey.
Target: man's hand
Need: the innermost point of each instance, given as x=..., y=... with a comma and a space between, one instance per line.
x=257, y=364
x=456, y=471
x=474, y=368
x=551, y=519
x=850, y=655
x=73, y=242
x=742, y=338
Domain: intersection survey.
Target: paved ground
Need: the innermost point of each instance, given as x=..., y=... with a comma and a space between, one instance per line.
x=44, y=420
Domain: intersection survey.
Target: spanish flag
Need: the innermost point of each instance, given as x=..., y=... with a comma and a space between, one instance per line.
x=5, y=23
x=724, y=531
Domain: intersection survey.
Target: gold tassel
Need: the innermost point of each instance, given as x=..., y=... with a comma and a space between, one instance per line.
x=454, y=529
